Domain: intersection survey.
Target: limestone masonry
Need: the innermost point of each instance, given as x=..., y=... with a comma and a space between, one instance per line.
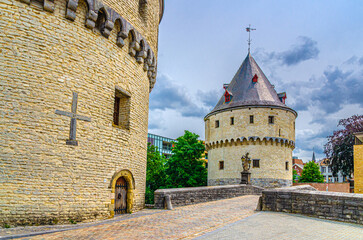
x=306, y=200
x=250, y=117
x=74, y=96
x=358, y=163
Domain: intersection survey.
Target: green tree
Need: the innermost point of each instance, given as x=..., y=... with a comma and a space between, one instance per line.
x=184, y=168
x=155, y=173
x=339, y=148
x=311, y=173
x=294, y=175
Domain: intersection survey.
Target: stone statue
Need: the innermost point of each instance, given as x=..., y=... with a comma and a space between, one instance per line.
x=246, y=162
x=245, y=174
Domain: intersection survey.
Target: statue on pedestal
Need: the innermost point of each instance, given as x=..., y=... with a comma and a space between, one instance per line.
x=245, y=174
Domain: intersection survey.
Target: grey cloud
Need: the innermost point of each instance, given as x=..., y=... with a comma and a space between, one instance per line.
x=351, y=60
x=153, y=125
x=306, y=49
x=340, y=88
x=210, y=98
x=167, y=95
x=361, y=61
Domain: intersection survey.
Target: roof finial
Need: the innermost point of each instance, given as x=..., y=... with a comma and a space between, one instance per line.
x=249, y=29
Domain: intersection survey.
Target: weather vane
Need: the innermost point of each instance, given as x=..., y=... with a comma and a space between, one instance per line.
x=249, y=29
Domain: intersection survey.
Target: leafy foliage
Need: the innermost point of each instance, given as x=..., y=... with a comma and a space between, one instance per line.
x=311, y=173
x=184, y=168
x=155, y=173
x=295, y=176
x=339, y=148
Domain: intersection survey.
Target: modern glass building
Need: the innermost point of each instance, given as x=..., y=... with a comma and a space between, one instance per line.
x=163, y=144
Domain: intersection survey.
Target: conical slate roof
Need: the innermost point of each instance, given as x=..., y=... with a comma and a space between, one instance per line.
x=245, y=92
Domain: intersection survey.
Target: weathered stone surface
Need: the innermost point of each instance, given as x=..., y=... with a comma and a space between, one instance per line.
x=306, y=200
x=272, y=144
x=187, y=196
x=45, y=57
x=358, y=168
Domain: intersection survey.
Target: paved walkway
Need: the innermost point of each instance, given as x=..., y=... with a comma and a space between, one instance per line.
x=283, y=226
x=182, y=222
x=225, y=219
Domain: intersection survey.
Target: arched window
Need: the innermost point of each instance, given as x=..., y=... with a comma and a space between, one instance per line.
x=101, y=19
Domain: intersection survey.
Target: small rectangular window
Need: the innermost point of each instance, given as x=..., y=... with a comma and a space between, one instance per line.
x=221, y=165
x=287, y=165
x=271, y=119
x=232, y=120
x=251, y=118
x=279, y=132
x=256, y=163
x=217, y=123
x=121, y=114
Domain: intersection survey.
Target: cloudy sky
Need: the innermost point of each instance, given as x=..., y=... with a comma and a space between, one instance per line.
x=313, y=50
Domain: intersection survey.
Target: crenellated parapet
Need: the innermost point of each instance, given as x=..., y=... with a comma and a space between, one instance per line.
x=252, y=140
x=105, y=18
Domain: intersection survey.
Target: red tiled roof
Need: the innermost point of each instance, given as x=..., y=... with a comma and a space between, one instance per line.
x=297, y=161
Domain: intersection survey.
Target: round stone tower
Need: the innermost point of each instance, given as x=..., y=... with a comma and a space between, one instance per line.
x=75, y=83
x=250, y=117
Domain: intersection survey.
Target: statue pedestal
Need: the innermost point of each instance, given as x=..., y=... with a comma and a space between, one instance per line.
x=245, y=177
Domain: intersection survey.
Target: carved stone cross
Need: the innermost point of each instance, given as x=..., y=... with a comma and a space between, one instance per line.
x=74, y=116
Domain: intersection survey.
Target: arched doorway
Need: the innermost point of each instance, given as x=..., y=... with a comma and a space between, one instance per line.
x=121, y=188
x=126, y=175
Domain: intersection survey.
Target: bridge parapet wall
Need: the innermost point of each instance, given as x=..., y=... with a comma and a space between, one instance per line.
x=193, y=195
x=306, y=200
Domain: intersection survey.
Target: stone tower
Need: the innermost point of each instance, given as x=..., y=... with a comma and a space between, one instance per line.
x=75, y=83
x=250, y=117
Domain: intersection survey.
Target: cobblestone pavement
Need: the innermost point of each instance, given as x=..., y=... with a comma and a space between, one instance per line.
x=283, y=226
x=224, y=219
x=183, y=222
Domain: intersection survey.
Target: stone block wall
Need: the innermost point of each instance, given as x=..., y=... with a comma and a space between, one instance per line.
x=49, y=50
x=306, y=200
x=272, y=144
x=330, y=187
x=358, y=168
x=193, y=195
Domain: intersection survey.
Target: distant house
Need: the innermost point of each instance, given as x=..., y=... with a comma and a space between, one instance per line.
x=326, y=171
x=163, y=144
x=297, y=165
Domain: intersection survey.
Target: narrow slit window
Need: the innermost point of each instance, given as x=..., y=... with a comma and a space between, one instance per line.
x=121, y=114
x=221, y=165
x=251, y=119
x=232, y=120
x=217, y=123
x=287, y=165
x=271, y=119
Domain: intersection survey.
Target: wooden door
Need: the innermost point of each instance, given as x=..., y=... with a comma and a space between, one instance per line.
x=121, y=196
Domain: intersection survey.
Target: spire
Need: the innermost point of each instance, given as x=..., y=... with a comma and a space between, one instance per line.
x=250, y=87
x=313, y=159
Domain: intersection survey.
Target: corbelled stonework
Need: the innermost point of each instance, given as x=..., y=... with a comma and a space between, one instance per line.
x=63, y=61
x=138, y=48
